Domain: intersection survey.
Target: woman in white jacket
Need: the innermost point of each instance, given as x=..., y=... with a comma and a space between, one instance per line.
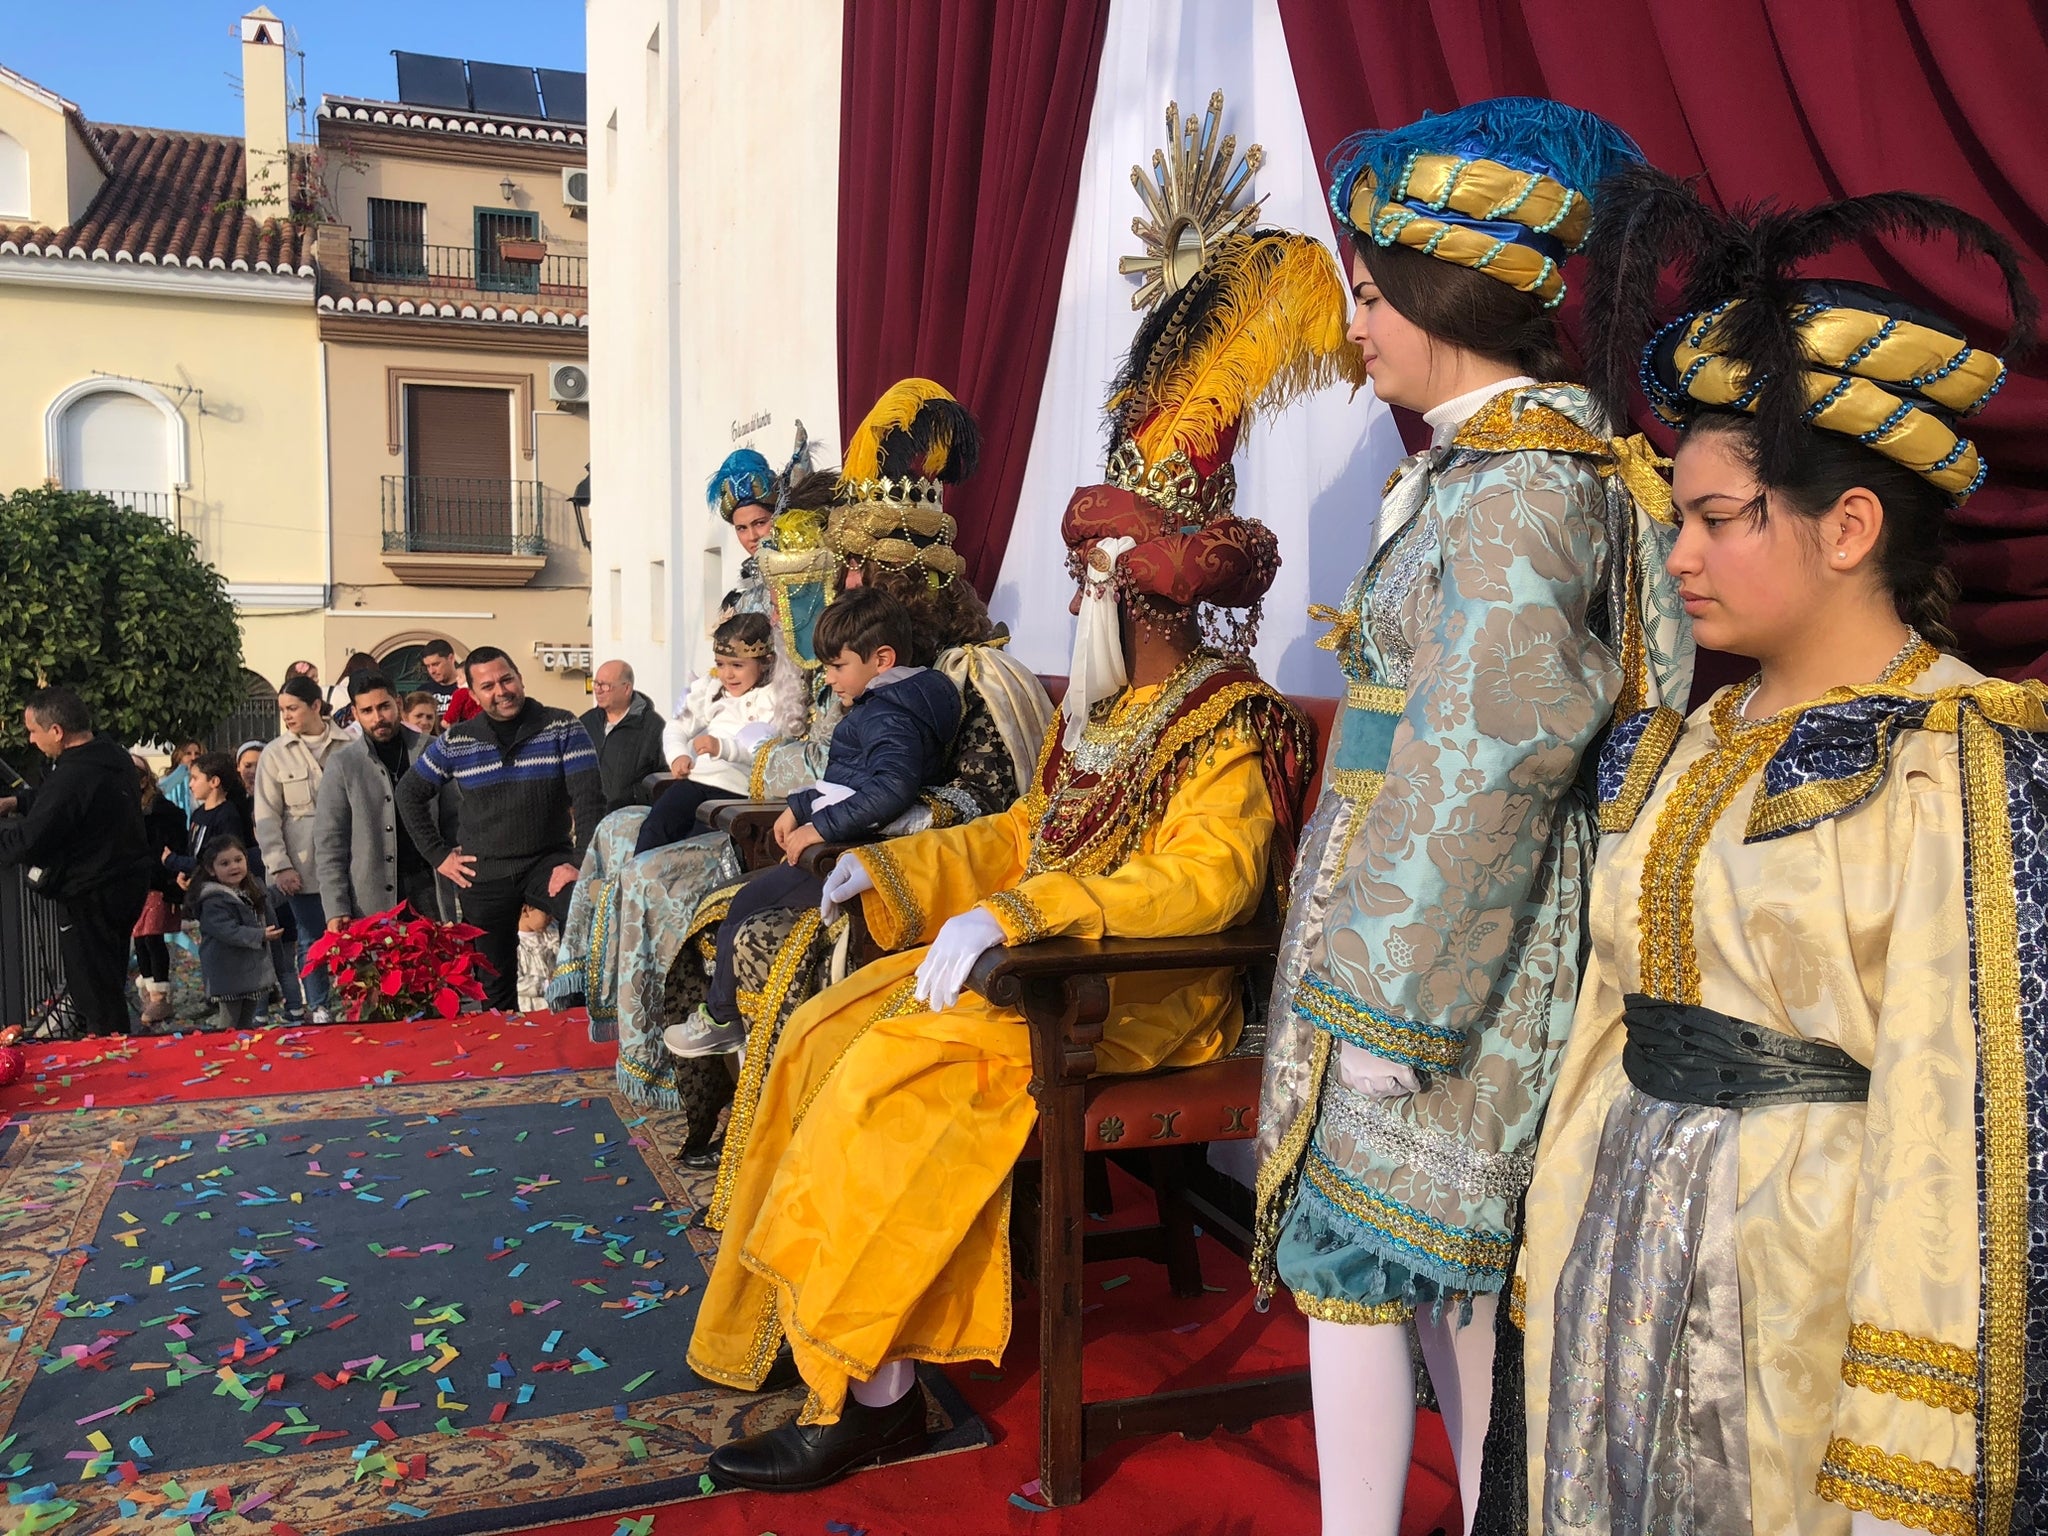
x=286, y=795
x=724, y=718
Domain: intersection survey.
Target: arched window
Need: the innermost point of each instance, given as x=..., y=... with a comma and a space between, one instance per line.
x=13, y=178
x=121, y=437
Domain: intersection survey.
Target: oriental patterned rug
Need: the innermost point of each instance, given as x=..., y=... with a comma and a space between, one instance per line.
x=459, y=1307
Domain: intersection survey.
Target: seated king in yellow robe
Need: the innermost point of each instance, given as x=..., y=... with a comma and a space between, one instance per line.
x=868, y=1223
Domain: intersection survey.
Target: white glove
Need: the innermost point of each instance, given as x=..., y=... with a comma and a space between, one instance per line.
x=1374, y=1076
x=961, y=941
x=843, y=886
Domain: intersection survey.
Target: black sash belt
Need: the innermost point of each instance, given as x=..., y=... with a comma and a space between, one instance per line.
x=1685, y=1054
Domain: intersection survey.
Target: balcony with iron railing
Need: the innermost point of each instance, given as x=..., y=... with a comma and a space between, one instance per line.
x=455, y=530
x=464, y=268
x=163, y=504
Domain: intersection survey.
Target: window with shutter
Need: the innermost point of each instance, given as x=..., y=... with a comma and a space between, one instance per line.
x=459, y=488
x=398, y=238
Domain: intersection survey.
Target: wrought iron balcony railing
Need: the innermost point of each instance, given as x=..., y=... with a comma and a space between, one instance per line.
x=461, y=515
x=458, y=266
x=163, y=504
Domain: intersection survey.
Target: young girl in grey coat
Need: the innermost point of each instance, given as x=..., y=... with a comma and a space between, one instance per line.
x=235, y=931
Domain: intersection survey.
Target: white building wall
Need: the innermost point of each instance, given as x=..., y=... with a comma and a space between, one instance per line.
x=714, y=152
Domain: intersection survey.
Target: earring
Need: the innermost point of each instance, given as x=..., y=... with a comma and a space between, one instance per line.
x=1841, y=554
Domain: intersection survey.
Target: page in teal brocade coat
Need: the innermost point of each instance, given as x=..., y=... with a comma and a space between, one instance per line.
x=1435, y=919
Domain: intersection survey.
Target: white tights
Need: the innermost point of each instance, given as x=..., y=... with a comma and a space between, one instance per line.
x=887, y=1385
x=1365, y=1412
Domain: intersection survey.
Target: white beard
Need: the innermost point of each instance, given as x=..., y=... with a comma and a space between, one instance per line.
x=1097, y=671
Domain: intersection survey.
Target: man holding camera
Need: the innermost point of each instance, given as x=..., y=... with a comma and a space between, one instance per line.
x=81, y=838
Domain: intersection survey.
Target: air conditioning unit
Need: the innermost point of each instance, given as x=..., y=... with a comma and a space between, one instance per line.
x=569, y=383
x=576, y=187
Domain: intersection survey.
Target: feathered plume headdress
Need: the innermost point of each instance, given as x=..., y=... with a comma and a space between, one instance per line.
x=743, y=479
x=1798, y=354
x=1501, y=186
x=917, y=440
x=1261, y=324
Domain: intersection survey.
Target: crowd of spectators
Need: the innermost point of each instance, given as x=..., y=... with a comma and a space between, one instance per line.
x=455, y=804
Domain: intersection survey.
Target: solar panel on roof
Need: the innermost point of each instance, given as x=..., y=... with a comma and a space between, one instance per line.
x=562, y=94
x=430, y=80
x=505, y=90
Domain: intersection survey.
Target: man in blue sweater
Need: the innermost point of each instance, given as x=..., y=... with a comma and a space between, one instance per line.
x=891, y=742
x=531, y=798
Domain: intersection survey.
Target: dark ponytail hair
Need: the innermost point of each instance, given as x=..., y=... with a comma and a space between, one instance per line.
x=1468, y=309
x=1909, y=553
x=221, y=766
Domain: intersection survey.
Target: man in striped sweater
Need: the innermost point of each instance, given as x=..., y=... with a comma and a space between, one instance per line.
x=531, y=798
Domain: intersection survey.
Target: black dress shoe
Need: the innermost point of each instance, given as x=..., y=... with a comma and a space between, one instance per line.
x=800, y=1456
x=702, y=1159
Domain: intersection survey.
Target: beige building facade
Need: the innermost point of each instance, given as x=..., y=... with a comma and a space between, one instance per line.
x=161, y=344
x=453, y=309
x=355, y=371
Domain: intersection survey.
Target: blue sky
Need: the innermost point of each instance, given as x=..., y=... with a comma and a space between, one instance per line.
x=175, y=63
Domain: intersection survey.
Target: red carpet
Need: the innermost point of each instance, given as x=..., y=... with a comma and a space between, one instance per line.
x=1140, y=1338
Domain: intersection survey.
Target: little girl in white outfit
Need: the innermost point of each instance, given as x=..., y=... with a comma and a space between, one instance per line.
x=723, y=721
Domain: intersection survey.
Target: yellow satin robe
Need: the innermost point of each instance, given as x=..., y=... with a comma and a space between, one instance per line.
x=870, y=1218
x=1856, y=1229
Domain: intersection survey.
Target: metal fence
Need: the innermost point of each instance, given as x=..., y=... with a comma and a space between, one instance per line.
x=456, y=266
x=31, y=972
x=459, y=514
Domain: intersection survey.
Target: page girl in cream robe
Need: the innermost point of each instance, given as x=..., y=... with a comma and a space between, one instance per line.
x=1783, y=1266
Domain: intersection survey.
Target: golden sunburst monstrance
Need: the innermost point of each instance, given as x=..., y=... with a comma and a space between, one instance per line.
x=1190, y=201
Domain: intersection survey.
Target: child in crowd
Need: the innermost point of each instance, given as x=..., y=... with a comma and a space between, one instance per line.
x=892, y=741
x=423, y=713
x=539, y=940
x=221, y=809
x=710, y=743
x=235, y=931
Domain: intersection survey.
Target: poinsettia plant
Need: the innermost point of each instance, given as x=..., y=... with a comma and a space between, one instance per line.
x=399, y=965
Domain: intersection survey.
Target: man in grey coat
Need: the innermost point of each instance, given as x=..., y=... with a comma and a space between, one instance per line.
x=367, y=859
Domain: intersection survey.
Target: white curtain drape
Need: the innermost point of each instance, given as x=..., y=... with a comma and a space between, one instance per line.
x=1313, y=474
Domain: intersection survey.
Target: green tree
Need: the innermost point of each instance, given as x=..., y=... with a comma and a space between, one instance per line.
x=119, y=606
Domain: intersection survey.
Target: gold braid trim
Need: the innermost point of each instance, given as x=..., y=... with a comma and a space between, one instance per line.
x=1518, y=1303
x=710, y=912
x=1173, y=758
x=1916, y=1493
x=1917, y=1369
x=898, y=1002
x=1335, y=1309
x=895, y=893
x=2005, y=1155
x=1667, y=956
x=1022, y=920
x=1273, y=1188
x=757, y=777
x=766, y=1017
x=1377, y=697
x=1653, y=751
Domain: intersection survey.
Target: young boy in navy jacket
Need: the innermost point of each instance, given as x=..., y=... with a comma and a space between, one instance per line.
x=890, y=744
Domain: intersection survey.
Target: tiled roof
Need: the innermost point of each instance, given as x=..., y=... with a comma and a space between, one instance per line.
x=441, y=309
x=169, y=200
x=448, y=120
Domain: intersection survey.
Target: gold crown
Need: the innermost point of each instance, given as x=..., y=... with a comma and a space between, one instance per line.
x=742, y=650
x=896, y=523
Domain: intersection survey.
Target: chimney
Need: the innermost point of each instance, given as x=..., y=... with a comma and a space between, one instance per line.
x=266, y=140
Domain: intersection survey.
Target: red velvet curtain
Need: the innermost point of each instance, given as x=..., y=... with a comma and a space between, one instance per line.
x=1797, y=100
x=961, y=129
